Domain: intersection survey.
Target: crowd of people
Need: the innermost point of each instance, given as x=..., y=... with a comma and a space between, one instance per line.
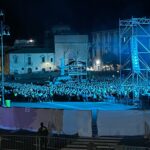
x=108, y=90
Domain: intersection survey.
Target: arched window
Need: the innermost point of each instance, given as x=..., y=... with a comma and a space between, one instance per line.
x=43, y=59
x=51, y=59
x=43, y=70
x=29, y=70
x=29, y=60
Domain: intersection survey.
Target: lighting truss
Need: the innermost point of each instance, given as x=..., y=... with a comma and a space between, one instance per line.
x=134, y=45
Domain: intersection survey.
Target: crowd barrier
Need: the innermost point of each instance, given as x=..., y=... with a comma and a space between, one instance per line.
x=77, y=122
x=22, y=142
x=70, y=122
x=19, y=142
x=123, y=123
x=58, y=121
x=122, y=147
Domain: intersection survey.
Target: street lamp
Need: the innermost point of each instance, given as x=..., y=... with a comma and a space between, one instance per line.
x=3, y=31
x=98, y=62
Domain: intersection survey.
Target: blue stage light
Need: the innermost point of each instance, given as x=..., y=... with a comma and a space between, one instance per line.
x=134, y=55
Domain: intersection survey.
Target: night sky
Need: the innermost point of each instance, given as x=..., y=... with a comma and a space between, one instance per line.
x=30, y=18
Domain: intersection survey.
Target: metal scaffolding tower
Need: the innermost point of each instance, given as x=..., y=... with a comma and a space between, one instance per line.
x=134, y=45
x=78, y=69
x=75, y=67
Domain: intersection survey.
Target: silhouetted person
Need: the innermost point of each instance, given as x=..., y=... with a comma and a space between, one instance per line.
x=43, y=133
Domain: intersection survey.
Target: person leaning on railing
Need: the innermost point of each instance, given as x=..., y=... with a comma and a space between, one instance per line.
x=43, y=133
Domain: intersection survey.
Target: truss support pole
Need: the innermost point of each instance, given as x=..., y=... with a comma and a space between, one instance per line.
x=134, y=37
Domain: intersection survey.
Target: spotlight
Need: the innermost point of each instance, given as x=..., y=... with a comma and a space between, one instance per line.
x=97, y=62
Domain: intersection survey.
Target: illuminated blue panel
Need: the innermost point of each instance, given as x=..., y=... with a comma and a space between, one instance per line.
x=134, y=55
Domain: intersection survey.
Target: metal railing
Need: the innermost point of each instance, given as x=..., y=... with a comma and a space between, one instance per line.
x=134, y=148
x=19, y=142
x=124, y=147
x=25, y=142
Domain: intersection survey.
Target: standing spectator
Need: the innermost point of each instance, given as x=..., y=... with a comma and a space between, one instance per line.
x=43, y=133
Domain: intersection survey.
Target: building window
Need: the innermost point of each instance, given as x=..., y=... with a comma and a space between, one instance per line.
x=29, y=60
x=43, y=59
x=22, y=68
x=50, y=68
x=15, y=71
x=43, y=70
x=51, y=60
x=36, y=68
x=15, y=59
x=29, y=70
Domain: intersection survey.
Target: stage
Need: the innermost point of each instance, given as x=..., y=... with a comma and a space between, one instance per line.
x=75, y=105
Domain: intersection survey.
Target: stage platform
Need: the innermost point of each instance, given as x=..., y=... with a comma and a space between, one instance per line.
x=75, y=105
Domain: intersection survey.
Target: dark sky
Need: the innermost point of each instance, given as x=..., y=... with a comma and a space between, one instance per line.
x=29, y=18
